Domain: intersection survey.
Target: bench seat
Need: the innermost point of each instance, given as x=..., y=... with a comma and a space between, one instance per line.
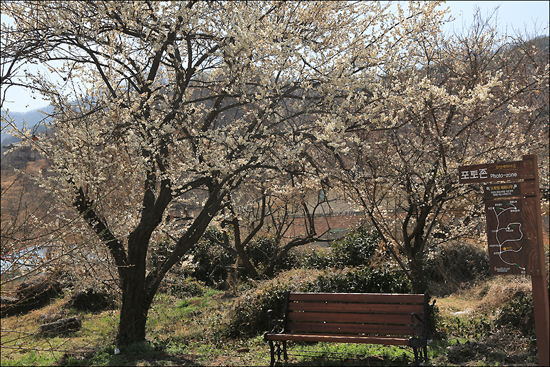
x=340, y=338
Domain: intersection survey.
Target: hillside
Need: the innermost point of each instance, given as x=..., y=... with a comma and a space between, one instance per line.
x=193, y=329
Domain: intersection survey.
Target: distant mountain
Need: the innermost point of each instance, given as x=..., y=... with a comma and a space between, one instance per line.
x=31, y=118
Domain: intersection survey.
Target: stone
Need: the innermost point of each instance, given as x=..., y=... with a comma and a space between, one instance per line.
x=62, y=326
x=30, y=295
x=92, y=300
x=47, y=318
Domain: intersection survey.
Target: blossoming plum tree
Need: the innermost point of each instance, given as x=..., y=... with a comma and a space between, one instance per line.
x=474, y=98
x=162, y=108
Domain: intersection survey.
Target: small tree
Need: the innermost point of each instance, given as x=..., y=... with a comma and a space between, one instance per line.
x=287, y=213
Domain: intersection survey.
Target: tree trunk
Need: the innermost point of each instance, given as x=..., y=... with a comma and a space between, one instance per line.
x=137, y=290
x=133, y=313
x=239, y=247
x=418, y=282
x=136, y=299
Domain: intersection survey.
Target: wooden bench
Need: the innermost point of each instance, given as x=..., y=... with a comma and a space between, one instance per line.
x=389, y=319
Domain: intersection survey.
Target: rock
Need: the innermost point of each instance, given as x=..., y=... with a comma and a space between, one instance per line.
x=61, y=326
x=92, y=300
x=459, y=313
x=30, y=295
x=8, y=301
x=47, y=318
x=80, y=354
x=462, y=353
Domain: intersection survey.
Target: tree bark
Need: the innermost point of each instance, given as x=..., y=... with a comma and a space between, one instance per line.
x=133, y=314
x=135, y=298
x=418, y=281
x=239, y=247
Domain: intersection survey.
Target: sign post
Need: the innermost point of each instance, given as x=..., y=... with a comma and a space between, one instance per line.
x=514, y=231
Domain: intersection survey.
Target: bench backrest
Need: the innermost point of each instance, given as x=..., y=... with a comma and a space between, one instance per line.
x=356, y=313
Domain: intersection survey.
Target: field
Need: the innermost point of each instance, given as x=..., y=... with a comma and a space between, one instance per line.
x=193, y=331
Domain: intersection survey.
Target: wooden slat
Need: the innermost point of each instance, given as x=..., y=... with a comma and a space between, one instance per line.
x=338, y=339
x=355, y=307
x=358, y=297
x=350, y=318
x=345, y=328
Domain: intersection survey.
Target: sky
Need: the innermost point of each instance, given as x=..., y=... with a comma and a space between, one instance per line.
x=512, y=16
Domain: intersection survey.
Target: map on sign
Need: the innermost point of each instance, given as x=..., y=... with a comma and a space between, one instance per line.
x=512, y=211
x=506, y=235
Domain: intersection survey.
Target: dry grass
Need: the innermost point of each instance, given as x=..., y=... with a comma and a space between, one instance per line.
x=20, y=336
x=484, y=296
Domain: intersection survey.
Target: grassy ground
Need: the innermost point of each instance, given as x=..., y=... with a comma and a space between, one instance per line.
x=187, y=332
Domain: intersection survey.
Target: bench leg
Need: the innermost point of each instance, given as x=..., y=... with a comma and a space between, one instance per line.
x=277, y=348
x=423, y=357
x=272, y=350
x=425, y=354
x=415, y=349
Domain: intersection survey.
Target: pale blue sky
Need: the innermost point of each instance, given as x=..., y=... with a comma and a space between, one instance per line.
x=512, y=16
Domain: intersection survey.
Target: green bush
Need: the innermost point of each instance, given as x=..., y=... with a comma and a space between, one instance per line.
x=457, y=263
x=212, y=262
x=360, y=280
x=249, y=314
x=518, y=314
x=317, y=258
x=182, y=287
x=357, y=248
x=262, y=250
x=433, y=324
x=464, y=327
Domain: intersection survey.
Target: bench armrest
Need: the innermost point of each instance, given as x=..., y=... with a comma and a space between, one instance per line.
x=275, y=325
x=420, y=323
x=419, y=336
x=416, y=316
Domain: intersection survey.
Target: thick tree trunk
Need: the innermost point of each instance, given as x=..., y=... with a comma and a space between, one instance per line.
x=138, y=290
x=136, y=299
x=133, y=313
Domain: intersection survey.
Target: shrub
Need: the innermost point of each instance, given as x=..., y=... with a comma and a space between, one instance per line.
x=249, y=314
x=464, y=327
x=433, y=324
x=211, y=262
x=457, y=263
x=519, y=314
x=262, y=250
x=360, y=280
x=91, y=299
x=317, y=258
x=182, y=287
x=357, y=248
